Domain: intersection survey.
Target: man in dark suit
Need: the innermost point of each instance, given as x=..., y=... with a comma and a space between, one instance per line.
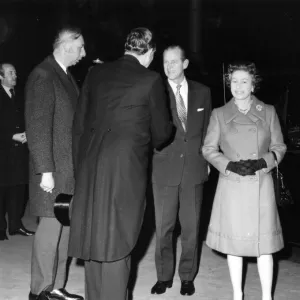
x=122, y=110
x=13, y=155
x=51, y=98
x=179, y=171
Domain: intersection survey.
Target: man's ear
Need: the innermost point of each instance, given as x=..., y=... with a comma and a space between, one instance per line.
x=185, y=63
x=67, y=47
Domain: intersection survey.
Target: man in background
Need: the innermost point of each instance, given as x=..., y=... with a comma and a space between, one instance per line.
x=13, y=155
x=179, y=171
x=51, y=98
x=122, y=113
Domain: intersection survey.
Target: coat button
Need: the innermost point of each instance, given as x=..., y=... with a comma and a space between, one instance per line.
x=16, y=144
x=254, y=154
x=185, y=140
x=237, y=155
x=181, y=155
x=109, y=129
x=92, y=130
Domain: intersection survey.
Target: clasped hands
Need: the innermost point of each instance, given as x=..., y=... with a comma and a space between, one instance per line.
x=246, y=167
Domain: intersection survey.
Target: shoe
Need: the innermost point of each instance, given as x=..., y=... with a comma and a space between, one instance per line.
x=32, y=296
x=3, y=235
x=161, y=286
x=22, y=231
x=187, y=288
x=62, y=294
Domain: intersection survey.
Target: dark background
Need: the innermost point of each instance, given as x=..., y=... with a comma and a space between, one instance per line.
x=214, y=33
x=263, y=31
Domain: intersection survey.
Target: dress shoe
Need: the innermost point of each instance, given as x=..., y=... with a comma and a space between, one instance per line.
x=62, y=294
x=161, y=286
x=32, y=296
x=22, y=231
x=3, y=235
x=187, y=288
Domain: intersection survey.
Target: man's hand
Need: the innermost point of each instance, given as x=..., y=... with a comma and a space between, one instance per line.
x=20, y=137
x=47, y=182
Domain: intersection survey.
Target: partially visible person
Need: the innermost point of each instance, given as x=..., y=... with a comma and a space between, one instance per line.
x=179, y=171
x=51, y=99
x=122, y=114
x=13, y=155
x=242, y=141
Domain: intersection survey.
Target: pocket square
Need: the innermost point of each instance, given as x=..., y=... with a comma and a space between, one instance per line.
x=200, y=109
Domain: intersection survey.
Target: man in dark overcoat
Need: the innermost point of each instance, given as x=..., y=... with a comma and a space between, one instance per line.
x=13, y=154
x=122, y=111
x=51, y=99
x=179, y=171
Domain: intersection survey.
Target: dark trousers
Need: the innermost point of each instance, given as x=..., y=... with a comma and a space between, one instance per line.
x=184, y=200
x=12, y=202
x=107, y=280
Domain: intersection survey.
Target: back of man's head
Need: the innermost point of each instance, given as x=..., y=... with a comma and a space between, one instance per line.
x=66, y=35
x=139, y=41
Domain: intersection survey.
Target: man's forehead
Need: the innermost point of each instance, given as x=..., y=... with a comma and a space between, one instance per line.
x=9, y=68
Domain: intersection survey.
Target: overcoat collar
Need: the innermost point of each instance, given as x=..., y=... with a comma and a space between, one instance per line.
x=257, y=111
x=62, y=74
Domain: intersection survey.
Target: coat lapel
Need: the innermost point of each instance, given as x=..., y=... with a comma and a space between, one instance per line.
x=71, y=86
x=257, y=112
x=192, y=109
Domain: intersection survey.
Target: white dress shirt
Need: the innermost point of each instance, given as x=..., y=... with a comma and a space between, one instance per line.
x=7, y=90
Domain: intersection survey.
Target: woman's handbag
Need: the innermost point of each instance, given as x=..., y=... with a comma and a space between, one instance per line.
x=282, y=193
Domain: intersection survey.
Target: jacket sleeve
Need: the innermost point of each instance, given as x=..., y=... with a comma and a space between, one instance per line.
x=207, y=115
x=277, y=144
x=39, y=111
x=210, y=149
x=161, y=125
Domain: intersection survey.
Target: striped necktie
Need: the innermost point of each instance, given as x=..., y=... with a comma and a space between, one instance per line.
x=181, y=110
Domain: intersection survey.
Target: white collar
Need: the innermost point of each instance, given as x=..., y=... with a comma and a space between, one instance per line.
x=61, y=65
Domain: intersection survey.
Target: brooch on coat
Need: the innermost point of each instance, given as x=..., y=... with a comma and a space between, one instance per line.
x=259, y=107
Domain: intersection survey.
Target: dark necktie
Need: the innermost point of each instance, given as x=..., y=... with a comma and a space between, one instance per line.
x=181, y=110
x=12, y=92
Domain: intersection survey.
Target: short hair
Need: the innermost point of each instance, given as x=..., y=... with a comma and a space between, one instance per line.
x=177, y=46
x=66, y=34
x=2, y=73
x=246, y=66
x=139, y=41
x=2, y=69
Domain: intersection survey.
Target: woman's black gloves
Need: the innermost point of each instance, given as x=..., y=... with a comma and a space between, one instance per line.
x=246, y=167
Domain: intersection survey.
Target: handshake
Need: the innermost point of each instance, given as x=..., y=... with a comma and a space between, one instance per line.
x=246, y=167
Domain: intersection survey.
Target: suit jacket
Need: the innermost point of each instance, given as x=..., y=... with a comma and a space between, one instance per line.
x=122, y=111
x=51, y=100
x=13, y=154
x=182, y=159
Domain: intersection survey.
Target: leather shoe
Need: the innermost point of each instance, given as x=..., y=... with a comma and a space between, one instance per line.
x=32, y=296
x=187, y=288
x=161, y=286
x=3, y=235
x=62, y=294
x=22, y=231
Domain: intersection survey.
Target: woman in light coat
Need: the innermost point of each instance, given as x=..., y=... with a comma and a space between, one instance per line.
x=242, y=140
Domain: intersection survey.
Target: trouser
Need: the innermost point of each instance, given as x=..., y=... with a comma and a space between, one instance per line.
x=49, y=256
x=184, y=200
x=107, y=280
x=12, y=201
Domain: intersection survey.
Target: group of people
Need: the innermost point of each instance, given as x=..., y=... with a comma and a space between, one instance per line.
x=123, y=122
